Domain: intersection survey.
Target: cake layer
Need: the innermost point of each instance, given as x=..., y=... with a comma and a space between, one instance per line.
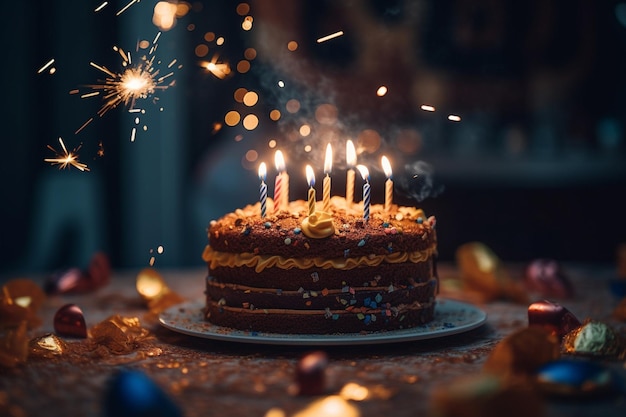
x=244, y=231
x=347, y=297
x=286, y=321
x=384, y=275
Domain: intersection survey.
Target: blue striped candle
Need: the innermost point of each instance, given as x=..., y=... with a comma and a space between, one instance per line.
x=263, y=188
x=366, y=191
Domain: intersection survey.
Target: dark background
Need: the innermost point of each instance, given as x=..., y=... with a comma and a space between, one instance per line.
x=535, y=168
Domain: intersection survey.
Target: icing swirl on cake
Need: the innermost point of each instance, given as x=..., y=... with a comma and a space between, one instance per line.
x=318, y=225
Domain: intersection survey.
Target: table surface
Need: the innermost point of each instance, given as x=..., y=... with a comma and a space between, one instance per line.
x=207, y=377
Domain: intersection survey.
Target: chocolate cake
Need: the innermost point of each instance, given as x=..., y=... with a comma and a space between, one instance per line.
x=329, y=272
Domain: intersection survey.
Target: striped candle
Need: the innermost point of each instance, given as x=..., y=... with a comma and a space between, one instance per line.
x=279, y=161
x=263, y=189
x=310, y=179
x=328, y=165
x=366, y=191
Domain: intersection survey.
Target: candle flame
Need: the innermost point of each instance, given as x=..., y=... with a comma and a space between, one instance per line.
x=279, y=161
x=262, y=171
x=365, y=173
x=350, y=154
x=310, y=176
x=386, y=166
x=328, y=161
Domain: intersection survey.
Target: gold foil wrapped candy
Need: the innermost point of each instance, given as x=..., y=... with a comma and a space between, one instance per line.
x=154, y=291
x=521, y=353
x=482, y=273
x=20, y=300
x=594, y=338
x=47, y=346
x=485, y=395
x=13, y=346
x=120, y=335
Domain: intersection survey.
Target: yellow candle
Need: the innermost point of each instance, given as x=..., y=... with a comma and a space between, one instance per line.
x=388, y=184
x=310, y=179
x=351, y=162
x=328, y=165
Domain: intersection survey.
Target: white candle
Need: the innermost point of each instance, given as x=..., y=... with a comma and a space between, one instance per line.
x=351, y=162
x=310, y=179
x=388, y=184
x=328, y=166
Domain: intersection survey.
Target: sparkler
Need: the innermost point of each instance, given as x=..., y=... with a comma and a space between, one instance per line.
x=137, y=82
x=66, y=158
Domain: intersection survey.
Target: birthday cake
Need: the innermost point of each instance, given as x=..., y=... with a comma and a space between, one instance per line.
x=321, y=272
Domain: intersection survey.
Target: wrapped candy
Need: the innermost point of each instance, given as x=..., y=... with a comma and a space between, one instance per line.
x=133, y=394
x=69, y=321
x=20, y=300
x=521, y=353
x=120, y=335
x=547, y=278
x=14, y=346
x=481, y=272
x=575, y=379
x=594, y=338
x=76, y=280
x=553, y=317
x=311, y=373
x=47, y=346
x=485, y=395
x=154, y=291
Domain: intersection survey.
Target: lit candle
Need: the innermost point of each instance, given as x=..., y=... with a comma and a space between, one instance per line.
x=366, y=191
x=328, y=166
x=281, y=185
x=263, y=189
x=310, y=179
x=351, y=162
x=388, y=184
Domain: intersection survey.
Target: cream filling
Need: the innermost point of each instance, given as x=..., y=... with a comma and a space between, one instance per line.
x=260, y=262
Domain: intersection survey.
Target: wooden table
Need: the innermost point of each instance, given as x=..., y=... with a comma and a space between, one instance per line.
x=207, y=377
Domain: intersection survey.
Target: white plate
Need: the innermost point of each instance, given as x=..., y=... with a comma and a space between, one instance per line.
x=451, y=317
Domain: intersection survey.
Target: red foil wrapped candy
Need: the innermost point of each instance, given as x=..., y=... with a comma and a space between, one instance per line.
x=553, y=317
x=547, y=278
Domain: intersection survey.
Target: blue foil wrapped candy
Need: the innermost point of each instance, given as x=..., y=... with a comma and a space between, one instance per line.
x=133, y=394
x=576, y=378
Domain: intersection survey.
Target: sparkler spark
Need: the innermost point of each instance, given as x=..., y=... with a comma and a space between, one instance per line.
x=102, y=6
x=138, y=81
x=65, y=158
x=331, y=36
x=48, y=64
x=123, y=9
x=219, y=69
